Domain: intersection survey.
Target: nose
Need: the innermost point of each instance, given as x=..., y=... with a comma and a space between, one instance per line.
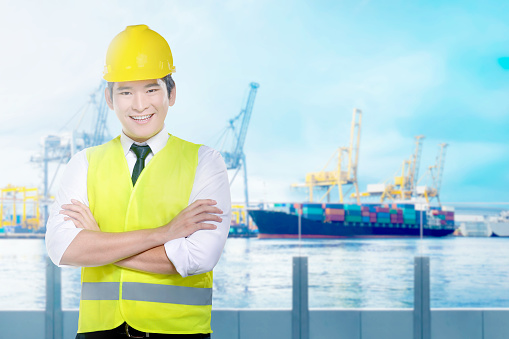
x=140, y=102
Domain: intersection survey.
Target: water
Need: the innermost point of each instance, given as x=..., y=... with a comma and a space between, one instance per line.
x=254, y=273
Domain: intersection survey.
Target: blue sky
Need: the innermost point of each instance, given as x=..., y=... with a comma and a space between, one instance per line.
x=420, y=67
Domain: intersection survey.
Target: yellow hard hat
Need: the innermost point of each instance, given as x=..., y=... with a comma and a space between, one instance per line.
x=138, y=53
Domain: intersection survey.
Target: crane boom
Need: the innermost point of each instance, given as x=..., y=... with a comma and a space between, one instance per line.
x=355, y=133
x=235, y=158
x=440, y=166
x=415, y=163
x=340, y=176
x=102, y=115
x=246, y=116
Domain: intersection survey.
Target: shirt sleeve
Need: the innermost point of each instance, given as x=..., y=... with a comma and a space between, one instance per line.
x=200, y=252
x=73, y=185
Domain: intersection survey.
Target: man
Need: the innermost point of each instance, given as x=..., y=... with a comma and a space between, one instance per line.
x=147, y=214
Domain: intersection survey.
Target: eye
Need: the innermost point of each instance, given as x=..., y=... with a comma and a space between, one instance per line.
x=124, y=93
x=152, y=90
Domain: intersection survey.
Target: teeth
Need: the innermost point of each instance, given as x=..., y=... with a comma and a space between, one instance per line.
x=143, y=117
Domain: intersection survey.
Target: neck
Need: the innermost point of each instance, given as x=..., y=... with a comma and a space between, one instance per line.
x=142, y=139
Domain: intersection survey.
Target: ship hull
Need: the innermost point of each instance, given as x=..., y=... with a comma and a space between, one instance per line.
x=499, y=229
x=273, y=224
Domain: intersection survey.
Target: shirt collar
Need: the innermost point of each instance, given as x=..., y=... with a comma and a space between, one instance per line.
x=156, y=143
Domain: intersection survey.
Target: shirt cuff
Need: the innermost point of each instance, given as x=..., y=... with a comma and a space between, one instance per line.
x=57, y=244
x=178, y=253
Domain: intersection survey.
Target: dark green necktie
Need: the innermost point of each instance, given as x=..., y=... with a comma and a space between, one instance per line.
x=141, y=153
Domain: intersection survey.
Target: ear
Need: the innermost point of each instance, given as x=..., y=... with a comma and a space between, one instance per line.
x=109, y=100
x=172, y=95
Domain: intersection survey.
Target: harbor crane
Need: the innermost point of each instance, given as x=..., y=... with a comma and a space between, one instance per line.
x=60, y=148
x=28, y=197
x=346, y=171
x=435, y=172
x=405, y=186
x=236, y=131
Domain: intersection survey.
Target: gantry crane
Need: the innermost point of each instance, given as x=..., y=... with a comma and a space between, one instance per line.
x=343, y=174
x=9, y=199
x=435, y=172
x=405, y=186
x=60, y=148
x=99, y=133
x=234, y=156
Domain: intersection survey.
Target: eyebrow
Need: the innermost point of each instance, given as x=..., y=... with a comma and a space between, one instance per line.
x=123, y=88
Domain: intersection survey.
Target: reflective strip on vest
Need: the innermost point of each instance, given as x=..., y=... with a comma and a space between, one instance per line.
x=147, y=292
x=167, y=294
x=100, y=291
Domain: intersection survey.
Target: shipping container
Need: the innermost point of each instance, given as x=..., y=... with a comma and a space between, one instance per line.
x=352, y=207
x=356, y=213
x=335, y=211
x=312, y=210
x=335, y=217
x=353, y=218
x=337, y=206
x=319, y=217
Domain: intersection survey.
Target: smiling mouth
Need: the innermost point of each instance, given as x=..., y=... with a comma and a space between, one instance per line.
x=142, y=118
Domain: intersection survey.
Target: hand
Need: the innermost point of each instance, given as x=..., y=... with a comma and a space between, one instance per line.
x=191, y=219
x=80, y=215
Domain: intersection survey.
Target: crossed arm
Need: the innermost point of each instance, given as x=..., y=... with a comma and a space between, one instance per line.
x=141, y=250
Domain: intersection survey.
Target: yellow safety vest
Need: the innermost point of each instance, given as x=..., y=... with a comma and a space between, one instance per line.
x=148, y=302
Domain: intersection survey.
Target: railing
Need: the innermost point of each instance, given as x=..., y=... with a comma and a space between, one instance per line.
x=300, y=322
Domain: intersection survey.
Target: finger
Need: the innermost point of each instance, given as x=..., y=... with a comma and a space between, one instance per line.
x=206, y=217
x=215, y=210
x=77, y=206
x=201, y=226
x=200, y=206
x=77, y=202
x=205, y=201
x=76, y=223
x=72, y=207
x=72, y=214
x=201, y=202
x=85, y=210
x=204, y=226
x=88, y=217
x=208, y=209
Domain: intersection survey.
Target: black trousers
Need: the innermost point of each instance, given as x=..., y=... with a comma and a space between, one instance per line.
x=120, y=333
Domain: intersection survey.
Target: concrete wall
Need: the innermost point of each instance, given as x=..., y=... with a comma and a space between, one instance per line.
x=326, y=323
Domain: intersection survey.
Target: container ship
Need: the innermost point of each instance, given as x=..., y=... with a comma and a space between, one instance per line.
x=333, y=220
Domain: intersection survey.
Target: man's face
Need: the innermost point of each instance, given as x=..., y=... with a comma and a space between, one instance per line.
x=141, y=107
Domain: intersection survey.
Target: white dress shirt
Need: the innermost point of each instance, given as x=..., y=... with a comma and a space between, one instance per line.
x=196, y=254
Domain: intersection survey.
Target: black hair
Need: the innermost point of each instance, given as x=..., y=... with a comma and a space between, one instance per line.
x=168, y=80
